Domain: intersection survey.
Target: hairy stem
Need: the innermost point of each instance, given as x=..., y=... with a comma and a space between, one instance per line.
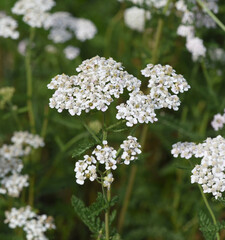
x=29, y=82
x=107, y=216
x=209, y=209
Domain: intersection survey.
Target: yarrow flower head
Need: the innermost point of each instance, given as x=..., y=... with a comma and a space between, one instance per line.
x=71, y=52
x=11, y=165
x=8, y=26
x=218, y=121
x=98, y=82
x=210, y=173
x=164, y=85
x=196, y=47
x=34, y=11
x=34, y=225
x=135, y=18
x=63, y=26
x=106, y=156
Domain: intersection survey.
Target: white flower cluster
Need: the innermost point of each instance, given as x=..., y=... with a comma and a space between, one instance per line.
x=98, y=82
x=218, y=121
x=11, y=179
x=34, y=225
x=193, y=44
x=131, y=148
x=196, y=15
x=63, y=26
x=107, y=156
x=141, y=108
x=8, y=27
x=135, y=18
x=71, y=52
x=34, y=11
x=210, y=173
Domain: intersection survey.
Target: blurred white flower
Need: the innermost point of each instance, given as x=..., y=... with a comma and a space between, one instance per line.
x=196, y=47
x=34, y=225
x=135, y=18
x=34, y=11
x=71, y=52
x=8, y=27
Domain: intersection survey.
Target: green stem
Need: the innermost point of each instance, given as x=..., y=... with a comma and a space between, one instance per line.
x=29, y=82
x=92, y=133
x=31, y=191
x=107, y=216
x=210, y=13
x=209, y=209
x=45, y=122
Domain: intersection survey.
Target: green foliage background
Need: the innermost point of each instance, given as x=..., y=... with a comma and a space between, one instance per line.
x=164, y=205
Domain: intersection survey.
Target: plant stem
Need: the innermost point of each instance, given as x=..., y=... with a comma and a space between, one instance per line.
x=31, y=191
x=209, y=209
x=210, y=13
x=92, y=133
x=29, y=82
x=107, y=216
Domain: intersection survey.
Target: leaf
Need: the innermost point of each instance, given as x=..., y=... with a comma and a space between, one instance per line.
x=207, y=228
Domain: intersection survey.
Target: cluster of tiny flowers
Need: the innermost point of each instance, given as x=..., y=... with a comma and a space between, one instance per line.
x=135, y=18
x=210, y=172
x=6, y=94
x=107, y=156
x=63, y=26
x=193, y=44
x=140, y=108
x=8, y=27
x=98, y=82
x=34, y=11
x=218, y=121
x=34, y=225
x=196, y=15
x=12, y=182
x=20, y=138
x=131, y=148
x=71, y=52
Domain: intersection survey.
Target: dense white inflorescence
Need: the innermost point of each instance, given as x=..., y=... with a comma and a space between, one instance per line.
x=218, y=121
x=164, y=85
x=14, y=184
x=191, y=18
x=8, y=27
x=63, y=26
x=106, y=156
x=99, y=81
x=11, y=165
x=135, y=18
x=34, y=11
x=210, y=173
x=34, y=225
x=139, y=108
x=71, y=52
x=196, y=48
x=131, y=149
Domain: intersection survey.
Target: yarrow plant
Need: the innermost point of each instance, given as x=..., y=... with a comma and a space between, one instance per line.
x=98, y=83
